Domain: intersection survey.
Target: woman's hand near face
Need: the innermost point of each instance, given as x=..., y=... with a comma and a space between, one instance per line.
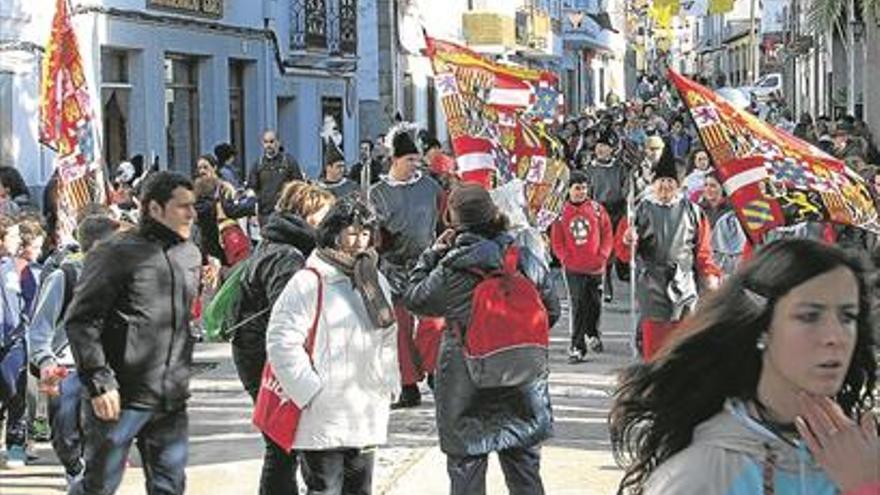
x=848, y=452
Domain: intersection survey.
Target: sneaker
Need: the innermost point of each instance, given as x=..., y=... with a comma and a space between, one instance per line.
x=40, y=431
x=75, y=475
x=608, y=298
x=576, y=356
x=16, y=457
x=595, y=344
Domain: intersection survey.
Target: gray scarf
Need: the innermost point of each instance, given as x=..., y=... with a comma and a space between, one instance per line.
x=362, y=269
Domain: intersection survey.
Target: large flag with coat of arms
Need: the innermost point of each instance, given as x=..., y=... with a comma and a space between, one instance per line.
x=496, y=116
x=771, y=177
x=68, y=125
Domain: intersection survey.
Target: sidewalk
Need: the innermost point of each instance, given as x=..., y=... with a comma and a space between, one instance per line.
x=226, y=452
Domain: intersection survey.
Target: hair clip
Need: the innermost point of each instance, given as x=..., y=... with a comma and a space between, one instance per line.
x=753, y=296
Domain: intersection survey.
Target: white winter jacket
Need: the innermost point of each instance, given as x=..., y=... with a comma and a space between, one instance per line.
x=348, y=393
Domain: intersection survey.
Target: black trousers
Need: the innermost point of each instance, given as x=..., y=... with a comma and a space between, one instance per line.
x=278, y=475
x=338, y=471
x=585, y=301
x=521, y=467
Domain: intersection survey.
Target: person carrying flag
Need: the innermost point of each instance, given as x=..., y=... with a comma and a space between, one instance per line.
x=672, y=239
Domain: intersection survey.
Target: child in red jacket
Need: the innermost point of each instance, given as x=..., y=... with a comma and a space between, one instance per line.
x=582, y=240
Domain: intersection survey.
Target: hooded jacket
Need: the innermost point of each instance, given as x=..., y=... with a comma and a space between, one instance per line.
x=731, y=453
x=475, y=421
x=129, y=321
x=729, y=240
x=287, y=241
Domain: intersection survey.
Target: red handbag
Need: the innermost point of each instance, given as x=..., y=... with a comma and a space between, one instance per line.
x=275, y=414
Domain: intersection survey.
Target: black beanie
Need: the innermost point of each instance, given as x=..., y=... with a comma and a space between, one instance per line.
x=666, y=166
x=403, y=145
x=472, y=205
x=578, y=177
x=609, y=137
x=332, y=155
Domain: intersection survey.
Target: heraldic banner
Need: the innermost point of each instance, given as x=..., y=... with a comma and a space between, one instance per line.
x=496, y=116
x=772, y=178
x=67, y=124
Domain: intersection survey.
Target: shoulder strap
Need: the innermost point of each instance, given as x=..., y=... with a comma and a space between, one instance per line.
x=511, y=259
x=70, y=275
x=310, y=339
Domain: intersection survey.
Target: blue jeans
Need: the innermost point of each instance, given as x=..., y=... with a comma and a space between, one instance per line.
x=64, y=418
x=161, y=439
x=13, y=391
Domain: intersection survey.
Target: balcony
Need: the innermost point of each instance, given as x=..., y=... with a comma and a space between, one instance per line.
x=323, y=34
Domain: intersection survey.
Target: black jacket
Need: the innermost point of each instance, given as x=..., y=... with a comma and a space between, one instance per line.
x=129, y=321
x=268, y=177
x=473, y=421
x=287, y=242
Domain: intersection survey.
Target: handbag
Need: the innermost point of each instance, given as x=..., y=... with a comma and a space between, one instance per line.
x=275, y=414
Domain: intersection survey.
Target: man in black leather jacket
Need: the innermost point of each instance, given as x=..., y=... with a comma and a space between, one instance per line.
x=129, y=330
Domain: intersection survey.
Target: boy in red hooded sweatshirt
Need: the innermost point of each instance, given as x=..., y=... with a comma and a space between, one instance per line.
x=582, y=240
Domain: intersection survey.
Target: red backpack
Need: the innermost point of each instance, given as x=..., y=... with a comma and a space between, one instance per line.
x=507, y=340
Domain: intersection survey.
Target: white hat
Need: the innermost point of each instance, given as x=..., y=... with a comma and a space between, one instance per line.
x=125, y=172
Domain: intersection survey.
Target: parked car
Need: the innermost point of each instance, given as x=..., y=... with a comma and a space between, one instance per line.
x=766, y=85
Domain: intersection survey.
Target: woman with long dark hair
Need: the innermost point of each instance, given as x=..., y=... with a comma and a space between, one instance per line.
x=767, y=388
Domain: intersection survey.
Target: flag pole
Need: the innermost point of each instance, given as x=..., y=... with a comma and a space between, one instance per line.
x=630, y=223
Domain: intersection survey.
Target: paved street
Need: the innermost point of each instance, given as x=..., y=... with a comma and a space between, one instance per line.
x=225, y=451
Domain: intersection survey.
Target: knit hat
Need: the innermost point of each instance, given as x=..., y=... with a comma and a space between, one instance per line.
x=332, y=155
x=578, y=177
x=431, y=142
x=403, y=145
x=608, y=136
x=223, y=152
x=470, y=204
x=666, y=166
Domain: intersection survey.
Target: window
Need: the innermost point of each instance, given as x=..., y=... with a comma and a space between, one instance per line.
x=236, y=113
x=115, y=98
x=181, y=112
x=6, y=119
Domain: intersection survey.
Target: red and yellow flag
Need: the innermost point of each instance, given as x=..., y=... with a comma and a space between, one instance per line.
x=495, y=114
x=67, y=122
x=773, y=178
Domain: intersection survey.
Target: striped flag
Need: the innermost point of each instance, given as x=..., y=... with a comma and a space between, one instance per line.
x=772, y=178
x=495, y=116
x=67, y=124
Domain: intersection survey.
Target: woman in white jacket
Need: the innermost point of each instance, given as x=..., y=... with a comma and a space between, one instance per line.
x=347, y=387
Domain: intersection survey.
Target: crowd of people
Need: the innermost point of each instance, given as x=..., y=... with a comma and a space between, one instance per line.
x=356, y=286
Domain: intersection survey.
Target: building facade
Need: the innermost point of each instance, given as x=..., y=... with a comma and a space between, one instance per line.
x=171, y=79
x=594, y=55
